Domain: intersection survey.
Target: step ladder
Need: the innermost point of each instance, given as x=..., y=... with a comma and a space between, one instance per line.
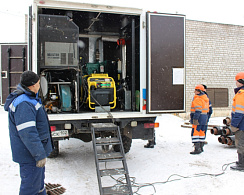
x=107, y=163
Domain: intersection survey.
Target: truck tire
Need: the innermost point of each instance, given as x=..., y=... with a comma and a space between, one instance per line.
x=126, y=143
x=55, y=151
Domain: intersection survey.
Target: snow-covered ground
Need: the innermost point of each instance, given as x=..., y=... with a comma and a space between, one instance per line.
x=75, y=167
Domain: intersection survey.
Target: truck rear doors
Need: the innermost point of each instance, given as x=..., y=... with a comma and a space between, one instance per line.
x=165, y=63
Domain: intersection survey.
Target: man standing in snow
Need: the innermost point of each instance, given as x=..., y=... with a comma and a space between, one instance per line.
x=237, y=120
x=30, y=134
x=209, y=112
x=199, y=110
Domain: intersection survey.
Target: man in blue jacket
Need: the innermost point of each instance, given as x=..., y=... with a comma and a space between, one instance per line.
x=30, y=134
x=237, y=120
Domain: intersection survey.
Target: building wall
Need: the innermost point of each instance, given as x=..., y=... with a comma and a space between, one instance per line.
x=214, y=54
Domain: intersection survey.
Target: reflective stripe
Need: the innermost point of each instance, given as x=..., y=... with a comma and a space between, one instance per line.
x=205, y=110
x=198, y=106
x=196, y=140
x=38, y=105
x=239, y=106
x=41, y=190
x=12, y=108
x=26, y=125
x=239, y=111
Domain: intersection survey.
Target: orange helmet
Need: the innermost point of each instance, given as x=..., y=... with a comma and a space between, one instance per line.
x=199, y=87
x=240, y=77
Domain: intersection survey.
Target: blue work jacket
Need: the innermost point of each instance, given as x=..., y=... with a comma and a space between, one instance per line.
x=29, y=128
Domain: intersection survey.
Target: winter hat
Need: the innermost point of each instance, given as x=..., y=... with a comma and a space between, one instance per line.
x=29, y=78
x=240, y=77
x=199, y=87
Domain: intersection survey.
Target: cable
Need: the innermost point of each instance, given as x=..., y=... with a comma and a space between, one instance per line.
x=84, y=95
x=139, y=186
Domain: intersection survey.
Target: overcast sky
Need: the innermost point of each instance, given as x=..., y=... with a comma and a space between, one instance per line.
x=12, y=19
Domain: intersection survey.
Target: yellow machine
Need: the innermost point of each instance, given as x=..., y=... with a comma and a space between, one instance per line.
x=101, y=91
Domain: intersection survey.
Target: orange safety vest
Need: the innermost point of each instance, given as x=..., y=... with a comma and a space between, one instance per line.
x=237, y=113
x=238, y=102
x=200, y=103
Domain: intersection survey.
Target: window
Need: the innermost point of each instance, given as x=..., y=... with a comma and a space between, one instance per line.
x=218, y=96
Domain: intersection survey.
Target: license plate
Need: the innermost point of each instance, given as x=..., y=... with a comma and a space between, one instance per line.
x=61, y=133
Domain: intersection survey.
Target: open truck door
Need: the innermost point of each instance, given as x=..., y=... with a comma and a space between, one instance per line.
x=13, y=63
x=165, y=63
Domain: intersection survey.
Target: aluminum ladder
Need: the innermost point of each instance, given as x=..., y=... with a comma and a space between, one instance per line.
x=107, y=163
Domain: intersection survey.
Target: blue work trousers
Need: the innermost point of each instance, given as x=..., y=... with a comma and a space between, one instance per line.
x=32, y=179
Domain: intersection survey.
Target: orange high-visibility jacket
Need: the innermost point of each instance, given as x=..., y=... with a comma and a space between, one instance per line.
x=237, y=114
x=200, y=108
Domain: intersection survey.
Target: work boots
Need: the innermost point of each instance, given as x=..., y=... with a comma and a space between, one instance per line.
x=240, y=164
x=197, y=149
x=150, y=144
x=201, y=145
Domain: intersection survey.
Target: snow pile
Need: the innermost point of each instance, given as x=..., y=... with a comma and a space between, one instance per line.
x=75, y=167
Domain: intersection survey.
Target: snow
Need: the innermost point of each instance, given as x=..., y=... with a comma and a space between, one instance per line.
x=75, y=167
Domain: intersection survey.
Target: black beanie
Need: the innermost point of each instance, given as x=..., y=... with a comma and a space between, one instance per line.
x=29, y=78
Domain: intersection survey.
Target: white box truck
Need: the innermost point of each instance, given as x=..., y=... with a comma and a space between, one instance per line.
x=103, y=64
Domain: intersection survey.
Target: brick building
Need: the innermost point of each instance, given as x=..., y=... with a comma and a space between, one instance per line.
x=214, y=54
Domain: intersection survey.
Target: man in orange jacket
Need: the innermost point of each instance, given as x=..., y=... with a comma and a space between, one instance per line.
x=237, y=120
x=199, y=117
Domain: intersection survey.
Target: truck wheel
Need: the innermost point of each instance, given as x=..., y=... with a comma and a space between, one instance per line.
x=55, y=151
x=126, y=143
